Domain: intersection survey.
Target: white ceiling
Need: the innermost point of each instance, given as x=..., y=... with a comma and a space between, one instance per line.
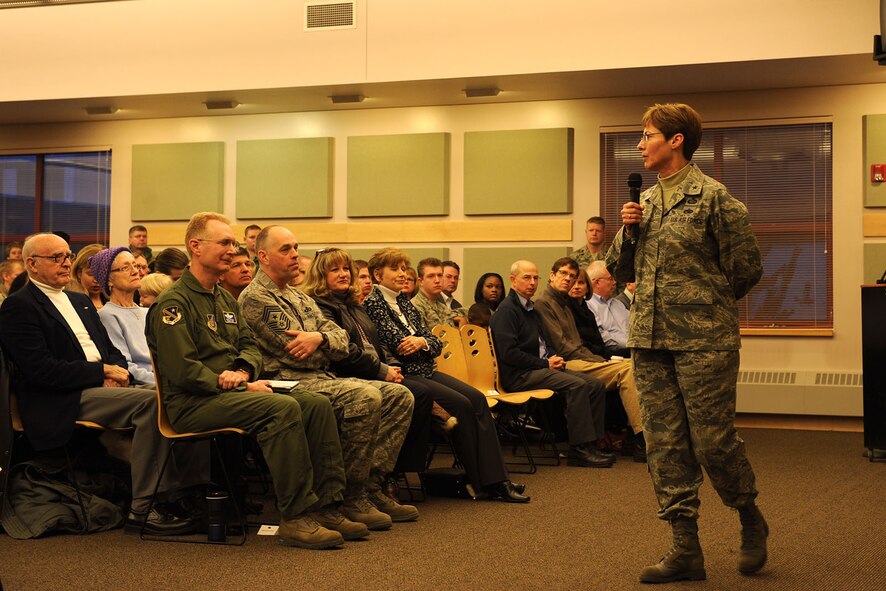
x=786, y=73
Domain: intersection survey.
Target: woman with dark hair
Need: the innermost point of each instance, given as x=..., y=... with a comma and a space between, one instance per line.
x=585, y=320
x=172, y=262
x=332, y=282
x=488, y=294
x=403, y=332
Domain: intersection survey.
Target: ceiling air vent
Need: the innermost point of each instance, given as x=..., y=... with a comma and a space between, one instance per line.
x=324, y=16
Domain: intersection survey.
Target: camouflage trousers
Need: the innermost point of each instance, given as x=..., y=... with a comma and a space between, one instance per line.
x=614, y=374
x=687, y=401
x=373, y=418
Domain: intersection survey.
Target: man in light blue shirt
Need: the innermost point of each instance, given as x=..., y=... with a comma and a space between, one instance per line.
x=612, y=315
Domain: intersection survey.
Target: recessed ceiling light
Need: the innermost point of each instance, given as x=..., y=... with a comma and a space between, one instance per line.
x=347, y=98
x=101, y=110
x=480, y=92
x=213, y=105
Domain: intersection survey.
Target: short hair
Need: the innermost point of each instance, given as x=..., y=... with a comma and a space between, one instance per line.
x=515, y=266
x=154, y=284
x=597, y=269
x=11, y=245
x=595, y=219
x=262, y=239
x=197, y=225
x=564, y=262
x=170, y=259
x=251, y=227
x=137, y=228
x=360, y=264
x=478, y=291
x=242, y=252
x=451, y=264
x=386, y=257
x=428, y=262
x=315, y=281
x=674, y=118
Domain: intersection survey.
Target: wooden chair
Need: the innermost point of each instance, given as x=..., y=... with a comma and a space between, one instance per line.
x=169, y=432
x=451, y=359
x=483, y=375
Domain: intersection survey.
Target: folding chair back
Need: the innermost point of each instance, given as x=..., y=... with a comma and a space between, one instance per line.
x=451, y=359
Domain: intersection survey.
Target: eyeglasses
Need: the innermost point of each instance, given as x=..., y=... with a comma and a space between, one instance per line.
x=140, y=268
x=605, y=279
x=327, y=250
x=128, y=268
x=226, y=243
x=567, y=274
x=56, y=258
x=644, y=137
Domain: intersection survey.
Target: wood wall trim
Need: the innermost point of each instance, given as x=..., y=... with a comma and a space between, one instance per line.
x=874, y=225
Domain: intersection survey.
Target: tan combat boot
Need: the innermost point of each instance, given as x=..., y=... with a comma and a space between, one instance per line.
x=683, y=562
x=362, y=510
x=395, y=510
x=754, y=532
x=331, y=518
x=304, y=532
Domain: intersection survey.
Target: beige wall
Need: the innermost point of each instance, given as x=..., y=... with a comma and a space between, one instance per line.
x=171, y=46
x=845, y=105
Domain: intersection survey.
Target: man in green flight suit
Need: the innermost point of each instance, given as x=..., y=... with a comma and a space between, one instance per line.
x=695, y=256
x=208, y=362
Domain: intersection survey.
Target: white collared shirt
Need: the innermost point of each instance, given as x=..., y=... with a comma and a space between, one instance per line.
x=63, y=304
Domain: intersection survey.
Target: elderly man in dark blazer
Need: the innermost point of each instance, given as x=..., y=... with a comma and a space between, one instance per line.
x=69, y=370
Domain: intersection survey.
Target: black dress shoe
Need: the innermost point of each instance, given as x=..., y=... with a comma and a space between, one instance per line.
x=587, y=457
x=507, y=492
x=159, y=523
x=520, y=488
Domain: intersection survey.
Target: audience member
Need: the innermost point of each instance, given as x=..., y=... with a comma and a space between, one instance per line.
x=298, y=342
x=209, y=363
x=562, y=337
x=612, y=316
x=451, y=272
x=151, y=287
x=367, y=358
x=239, y=275
x=115, y=271
x=488, y=294
x=18, y=283
x=141, y=265
x=9, y=270
x=364, y=279
x=526, y=361
x=83, y=281
x=403, y=332
x=411, y=287
x=428, y=300
x=14, y=251
x=626, y=297
x=249, y=236
x=586, y=322
x=595, y=231
x=138, y=242
x=63, y=379
x=299, y=274
x=171, y=261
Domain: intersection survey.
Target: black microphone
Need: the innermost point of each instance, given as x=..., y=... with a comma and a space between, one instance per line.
x=635, y=180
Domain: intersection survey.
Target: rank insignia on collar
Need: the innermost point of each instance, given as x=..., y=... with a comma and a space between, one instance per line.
x=171, y=315
x=211, y=323
x=230, y=317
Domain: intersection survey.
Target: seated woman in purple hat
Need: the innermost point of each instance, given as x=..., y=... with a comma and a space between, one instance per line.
x=115, y=271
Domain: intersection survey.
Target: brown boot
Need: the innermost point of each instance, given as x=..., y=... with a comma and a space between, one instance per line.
x=362, y=510
x=331, y=518
x=304, y=532
x=683, y=562
x=397, y=512
x=754, y=532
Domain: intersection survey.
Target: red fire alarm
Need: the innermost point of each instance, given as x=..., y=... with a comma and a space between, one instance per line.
x=878, y=173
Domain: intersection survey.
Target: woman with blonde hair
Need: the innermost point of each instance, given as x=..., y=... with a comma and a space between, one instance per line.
x=82, y=280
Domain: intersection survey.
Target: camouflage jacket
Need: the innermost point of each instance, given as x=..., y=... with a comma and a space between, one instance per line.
x=433, y=312
x=693, y=262
x=584, y=257
x=269, y=311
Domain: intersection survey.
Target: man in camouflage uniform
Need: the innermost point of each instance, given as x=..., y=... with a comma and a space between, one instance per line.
x=695, y=256
x=595, y=230
x=428, y=300
x=298, y=342
x=207, y=370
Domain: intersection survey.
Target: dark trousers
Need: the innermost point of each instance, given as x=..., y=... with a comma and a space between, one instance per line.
x=414, y=452
x=585, y=400
x=475, y=438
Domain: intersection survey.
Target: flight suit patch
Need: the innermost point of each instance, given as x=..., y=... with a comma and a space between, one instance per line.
x=171, y=315
x=211, y=323
x=230, y=317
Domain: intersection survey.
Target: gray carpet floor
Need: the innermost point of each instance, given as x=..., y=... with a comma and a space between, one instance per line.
x=584, y=529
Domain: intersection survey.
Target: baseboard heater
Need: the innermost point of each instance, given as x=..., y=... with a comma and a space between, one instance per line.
x=800, y=393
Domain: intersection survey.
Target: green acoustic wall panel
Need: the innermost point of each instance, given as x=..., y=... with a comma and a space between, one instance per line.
x=874, y=153
x=175, y=181
x=519, y=171
x=415, y=254
x=874, y=262
x=287, y=178
x=398, y=175
x=499, y=260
